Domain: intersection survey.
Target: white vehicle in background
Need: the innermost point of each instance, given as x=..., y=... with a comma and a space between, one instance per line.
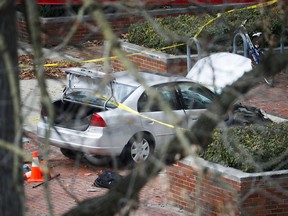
x=218, y=70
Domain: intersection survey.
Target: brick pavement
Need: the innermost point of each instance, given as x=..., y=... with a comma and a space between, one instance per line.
x=272, y=100
x=74, y=180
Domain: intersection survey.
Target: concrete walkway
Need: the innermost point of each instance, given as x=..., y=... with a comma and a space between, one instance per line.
x=30, y=95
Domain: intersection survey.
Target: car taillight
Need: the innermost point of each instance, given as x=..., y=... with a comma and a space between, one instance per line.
x=97, y=120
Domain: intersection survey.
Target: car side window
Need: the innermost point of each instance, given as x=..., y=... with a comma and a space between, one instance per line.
x=149, y=103
x=195, y=96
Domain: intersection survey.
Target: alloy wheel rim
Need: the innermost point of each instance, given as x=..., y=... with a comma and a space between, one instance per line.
x=140, y=150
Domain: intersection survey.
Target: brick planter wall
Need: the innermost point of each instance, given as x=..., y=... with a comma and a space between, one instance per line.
x=55, y=29
x=148, y=60
x=211, y=189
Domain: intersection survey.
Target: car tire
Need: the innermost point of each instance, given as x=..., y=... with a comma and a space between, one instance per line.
x=74, y=155
x=138, y=149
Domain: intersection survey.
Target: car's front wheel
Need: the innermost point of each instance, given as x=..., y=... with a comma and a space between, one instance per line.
x=139, y=148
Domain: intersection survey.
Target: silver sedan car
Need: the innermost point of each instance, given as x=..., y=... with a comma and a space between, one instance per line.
x=121, y=114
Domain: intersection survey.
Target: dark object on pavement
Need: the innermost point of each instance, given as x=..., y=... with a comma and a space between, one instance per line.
x=246, y=115
x=46, y=181
x=107, y=179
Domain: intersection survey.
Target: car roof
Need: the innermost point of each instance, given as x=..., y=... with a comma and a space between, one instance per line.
x=150, y=78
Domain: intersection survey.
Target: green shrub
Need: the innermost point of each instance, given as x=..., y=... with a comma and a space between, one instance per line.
x=251, y=148
x=216, y=36
x=144, y=34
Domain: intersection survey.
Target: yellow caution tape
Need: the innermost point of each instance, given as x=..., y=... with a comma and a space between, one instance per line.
x=130, y=110
x=206, y=24
x=36, y=119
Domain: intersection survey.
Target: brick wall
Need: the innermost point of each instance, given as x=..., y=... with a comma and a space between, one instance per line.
x=22, y=28
x=55, y=29
x=211, y=189
x=148, y=60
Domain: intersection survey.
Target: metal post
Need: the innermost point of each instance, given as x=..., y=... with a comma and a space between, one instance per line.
x=189, y=66
x=245, y=46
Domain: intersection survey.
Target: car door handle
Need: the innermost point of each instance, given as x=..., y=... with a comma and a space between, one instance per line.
x=149, y=122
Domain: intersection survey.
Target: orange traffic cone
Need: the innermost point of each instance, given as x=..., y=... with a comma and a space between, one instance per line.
x=36, y=174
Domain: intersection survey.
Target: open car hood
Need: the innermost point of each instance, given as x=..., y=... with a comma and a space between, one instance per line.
x=219, y=69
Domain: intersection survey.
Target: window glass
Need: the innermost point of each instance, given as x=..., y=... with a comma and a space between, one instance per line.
x=150, y=103
x=195, y=96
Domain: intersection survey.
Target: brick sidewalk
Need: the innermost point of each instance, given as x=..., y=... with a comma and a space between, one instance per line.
x=272, y=100
x=76, y=179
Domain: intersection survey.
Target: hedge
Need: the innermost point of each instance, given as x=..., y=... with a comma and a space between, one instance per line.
x=253, y=148
x=216, y=36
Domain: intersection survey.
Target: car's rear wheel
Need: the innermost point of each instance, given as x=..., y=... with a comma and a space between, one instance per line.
x=139, y=148
x=71, y=154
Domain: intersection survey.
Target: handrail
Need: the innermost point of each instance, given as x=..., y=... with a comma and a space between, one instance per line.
x=245, y=46
x=189, y=66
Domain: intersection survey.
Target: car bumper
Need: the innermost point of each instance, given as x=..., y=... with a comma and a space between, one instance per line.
x=93, y=141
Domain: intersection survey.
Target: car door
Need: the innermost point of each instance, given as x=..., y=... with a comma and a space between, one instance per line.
x=194, y=99
x=161, y=111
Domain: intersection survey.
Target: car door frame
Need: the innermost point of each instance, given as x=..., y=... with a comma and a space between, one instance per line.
x=193, y=114
x=158, y=123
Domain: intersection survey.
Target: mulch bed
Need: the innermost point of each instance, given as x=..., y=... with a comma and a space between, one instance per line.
x=27, y=70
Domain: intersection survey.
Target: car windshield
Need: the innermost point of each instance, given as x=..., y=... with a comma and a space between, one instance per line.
x=99, y=97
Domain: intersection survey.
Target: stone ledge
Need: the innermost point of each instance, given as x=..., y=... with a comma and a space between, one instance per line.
x=229, y=172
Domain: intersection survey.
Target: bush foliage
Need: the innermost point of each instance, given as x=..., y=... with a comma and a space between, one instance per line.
x=253, y=148
x=218, y=35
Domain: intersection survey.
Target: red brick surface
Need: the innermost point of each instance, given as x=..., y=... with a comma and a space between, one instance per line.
x=75, y=179
x=272, y=100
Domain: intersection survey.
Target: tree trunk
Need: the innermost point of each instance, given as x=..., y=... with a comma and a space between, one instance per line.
x=11, y=189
